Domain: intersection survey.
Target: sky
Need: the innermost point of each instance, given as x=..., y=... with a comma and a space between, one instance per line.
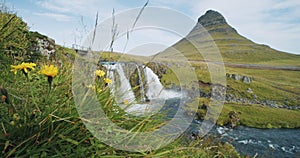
x=272, y=22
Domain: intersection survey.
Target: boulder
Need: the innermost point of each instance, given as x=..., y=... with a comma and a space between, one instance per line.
x=246, y=79
x=46, y=46
x=249, y=90
x=235, y=77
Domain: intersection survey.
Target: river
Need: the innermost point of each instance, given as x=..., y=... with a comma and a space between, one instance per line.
x=263, y=142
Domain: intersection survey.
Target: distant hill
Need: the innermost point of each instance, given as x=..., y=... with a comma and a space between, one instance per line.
x=233, y=47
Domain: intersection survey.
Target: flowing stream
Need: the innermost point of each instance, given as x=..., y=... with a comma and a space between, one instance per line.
x=247, y=141
x=263, y=142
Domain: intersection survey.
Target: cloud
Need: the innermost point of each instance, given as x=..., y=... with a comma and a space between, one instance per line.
x=56, y=16
x=272, y=22
x=86, y=8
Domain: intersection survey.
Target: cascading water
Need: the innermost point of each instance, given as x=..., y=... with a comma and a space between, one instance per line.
x=125, y=97
x=141, y=84
x=153, y=85
x=124, y=93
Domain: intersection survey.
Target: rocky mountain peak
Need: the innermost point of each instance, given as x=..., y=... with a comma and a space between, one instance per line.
x=210, y=18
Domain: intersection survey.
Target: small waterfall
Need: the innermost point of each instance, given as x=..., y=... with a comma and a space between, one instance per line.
x=150, y=88
x=124, y=92
x=141, y=86
x=154, y=87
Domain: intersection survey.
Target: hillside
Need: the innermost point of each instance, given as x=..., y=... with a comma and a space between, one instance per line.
x=233, y=47
x=274, y=74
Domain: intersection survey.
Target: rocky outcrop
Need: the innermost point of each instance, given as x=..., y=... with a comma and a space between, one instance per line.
x=158, y=68
x=237, y=77
x=218, y=92
x=46, y=46
x=211, y=18
x=246, y=79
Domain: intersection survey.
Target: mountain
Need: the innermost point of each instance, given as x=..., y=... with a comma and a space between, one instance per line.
x=212, y=28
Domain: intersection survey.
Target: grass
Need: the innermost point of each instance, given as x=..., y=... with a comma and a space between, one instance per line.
x=277, y=85
x=261, y=116
x=39, y=121
x=46, y=123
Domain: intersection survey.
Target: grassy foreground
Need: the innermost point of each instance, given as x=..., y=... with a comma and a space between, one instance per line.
x=39, y=121
x=42, y=122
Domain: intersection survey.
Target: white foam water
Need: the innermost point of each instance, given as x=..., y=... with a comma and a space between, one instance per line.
x=153, y=90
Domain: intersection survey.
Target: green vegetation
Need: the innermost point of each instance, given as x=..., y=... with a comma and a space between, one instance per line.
x=257, y=116
x=38, y=116
x=45, y=123
x=281, y=86
x=261, y=116
x=277, y=85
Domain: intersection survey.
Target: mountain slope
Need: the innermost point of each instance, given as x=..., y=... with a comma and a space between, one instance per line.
x=213, y=28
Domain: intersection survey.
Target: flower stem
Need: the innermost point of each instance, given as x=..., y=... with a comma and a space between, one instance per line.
x=26, y=74
x=50, y=82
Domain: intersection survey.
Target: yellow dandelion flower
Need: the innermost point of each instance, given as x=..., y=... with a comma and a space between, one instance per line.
x=107, y=80
x=24, y=67
x=49, y=71
x=99, y=73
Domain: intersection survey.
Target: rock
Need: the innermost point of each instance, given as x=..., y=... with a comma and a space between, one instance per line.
x=211, y=18
x=249, y=90
x=218, y=92
x=246, y=79
x=46, y=46
x=270, y=103
x=255, y=96
x=235, y=77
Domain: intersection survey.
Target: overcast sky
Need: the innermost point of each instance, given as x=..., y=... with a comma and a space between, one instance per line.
x=272, y=22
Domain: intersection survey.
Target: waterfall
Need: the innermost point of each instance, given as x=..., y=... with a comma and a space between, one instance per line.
x=125, y=97
x=124, y=92
x=142, y=90
x=154, y=87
